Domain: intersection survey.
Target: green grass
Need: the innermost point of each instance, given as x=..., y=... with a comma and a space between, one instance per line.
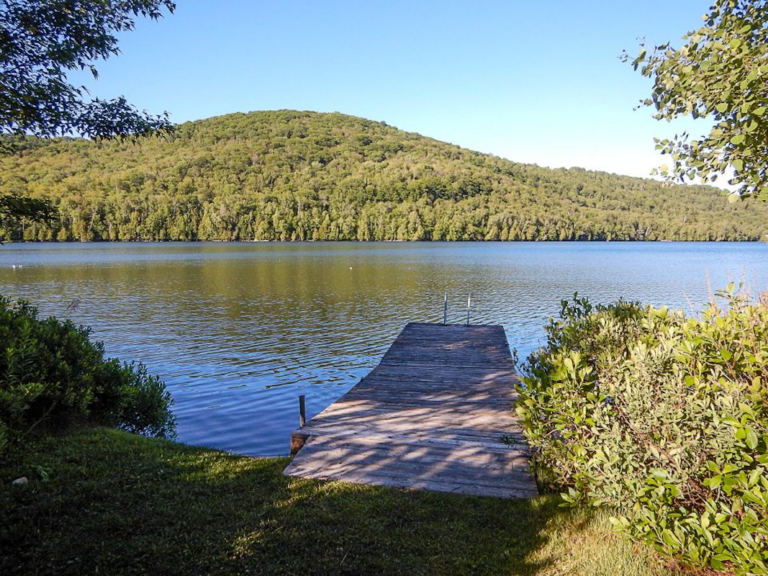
x=107, y=502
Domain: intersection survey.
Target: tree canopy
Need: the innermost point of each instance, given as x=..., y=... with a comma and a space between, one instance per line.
x=721, y=71
x=41, y=41
x=289, y=175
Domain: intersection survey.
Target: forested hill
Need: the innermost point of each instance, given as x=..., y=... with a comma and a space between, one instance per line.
x=306, y=176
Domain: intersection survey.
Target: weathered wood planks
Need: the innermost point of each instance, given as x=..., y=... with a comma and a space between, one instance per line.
x=430, y=416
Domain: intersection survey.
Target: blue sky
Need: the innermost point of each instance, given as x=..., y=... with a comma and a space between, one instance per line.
x=537, y=82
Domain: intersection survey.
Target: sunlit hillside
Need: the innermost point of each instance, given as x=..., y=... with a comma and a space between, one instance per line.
x=290, y=175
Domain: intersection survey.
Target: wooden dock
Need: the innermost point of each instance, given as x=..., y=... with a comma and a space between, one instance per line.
x=430, y=416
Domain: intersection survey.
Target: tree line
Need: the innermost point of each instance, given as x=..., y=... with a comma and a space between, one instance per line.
x=289, y=175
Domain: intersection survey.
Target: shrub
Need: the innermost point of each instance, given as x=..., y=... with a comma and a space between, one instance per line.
x=51, y=375
x=661, y=417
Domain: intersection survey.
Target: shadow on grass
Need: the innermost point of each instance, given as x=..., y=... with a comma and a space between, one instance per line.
x=120, y=504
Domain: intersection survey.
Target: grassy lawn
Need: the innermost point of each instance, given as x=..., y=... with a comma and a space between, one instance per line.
x=107, y=502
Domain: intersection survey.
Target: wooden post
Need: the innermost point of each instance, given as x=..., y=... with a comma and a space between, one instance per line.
x=445, y=309
x=469, y=305
x=302, y=411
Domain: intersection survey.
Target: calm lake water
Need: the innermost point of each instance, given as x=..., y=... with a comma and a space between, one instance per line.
x=238, y=331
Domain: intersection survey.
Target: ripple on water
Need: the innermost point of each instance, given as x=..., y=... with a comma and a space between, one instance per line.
x=238, y=331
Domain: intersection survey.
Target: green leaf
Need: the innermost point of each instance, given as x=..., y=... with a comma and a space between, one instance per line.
x=751, y=439
x=671, y=540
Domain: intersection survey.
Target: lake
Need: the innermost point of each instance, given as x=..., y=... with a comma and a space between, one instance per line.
x=238, y=331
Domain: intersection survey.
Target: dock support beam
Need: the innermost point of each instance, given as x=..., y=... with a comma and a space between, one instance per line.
x=298, y=439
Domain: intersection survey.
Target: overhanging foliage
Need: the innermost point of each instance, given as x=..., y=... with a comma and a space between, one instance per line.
x=720, y=72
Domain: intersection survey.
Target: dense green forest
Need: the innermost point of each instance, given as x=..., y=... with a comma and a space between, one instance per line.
x=290, y=175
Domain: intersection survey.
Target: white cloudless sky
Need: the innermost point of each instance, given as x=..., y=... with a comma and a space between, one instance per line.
x=536, y=82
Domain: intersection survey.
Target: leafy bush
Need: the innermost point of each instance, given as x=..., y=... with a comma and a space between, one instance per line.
x=51, y=374
x=663, y=418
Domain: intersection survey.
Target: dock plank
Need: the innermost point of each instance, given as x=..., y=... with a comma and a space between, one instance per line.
x=435, y=414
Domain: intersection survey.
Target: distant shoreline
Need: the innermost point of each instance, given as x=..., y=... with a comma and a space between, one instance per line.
x=595, y=241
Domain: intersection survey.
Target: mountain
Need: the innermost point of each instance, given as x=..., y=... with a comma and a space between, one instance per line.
x=288, y=175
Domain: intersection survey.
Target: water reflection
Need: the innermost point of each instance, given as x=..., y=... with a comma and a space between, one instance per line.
x=239, y=330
